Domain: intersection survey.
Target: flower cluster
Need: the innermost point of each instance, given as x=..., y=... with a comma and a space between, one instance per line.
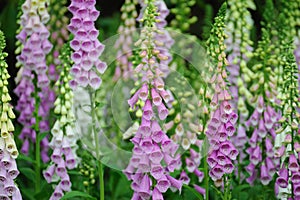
x=59, y=35
x=86, y=46
x=34, y=37
x=239, y=48
x=263, y=119
x=125, y=40
x=182, y=12
x=8, y=149
x=154, y=154
x=287, y=184
x=64, y=137
x=287, y=142
x=221, y=125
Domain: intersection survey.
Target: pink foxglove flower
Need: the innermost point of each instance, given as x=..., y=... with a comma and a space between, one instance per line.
x=221, y=126
x=86, y=46
x=154, y=154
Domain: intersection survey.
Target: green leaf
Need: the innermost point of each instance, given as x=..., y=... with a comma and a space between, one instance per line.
x=28, y=194
x=26, y=158
x=42, y=135
x=28, y=172
x=72, y=194
x=193, y=191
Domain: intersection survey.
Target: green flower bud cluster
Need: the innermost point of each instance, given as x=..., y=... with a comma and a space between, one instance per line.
x=18, y=43
x=182, y=12
x=238, y=28
x=58, y=28
x=264, y=80
x=88, y=172
x=290, y=94
x=6, y=110
x=286, y=31
x=64, y=101
x=186, y=122
x=216, y=47
x=123, y=45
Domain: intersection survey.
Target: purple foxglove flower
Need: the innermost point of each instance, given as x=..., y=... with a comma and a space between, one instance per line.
x=17, y=195
x=157, y=171
x=171, y=162
x=56, y=155
x=293, y=164
x=57, y=194
x=147, y=145
x=184, y=178
x=190, y=165
x=143, y=92
x=144, y=189
x=221, y=158
x=13, y=172
x=218, y=171
x=144, y=164
x=295, y=178
x=175, y=183
x=212, y=159
x=156, y=98
x=199, y=189
x=270, y=166
x=9, y=187
x=262, y=132
x=252, y=178
x=156, y=194
x=255, y=158
x=264, y=175
x=3, y=176
x=162, y=111
x=282, y=180
x=145, y=127
x=147, y=110
x=65, y=183
x=163, y=184
x=70, y=160
x=199, y=174
x=61, y=169
x=296, y=190
x=156, y=155
x=6, y=161
x=49, y=173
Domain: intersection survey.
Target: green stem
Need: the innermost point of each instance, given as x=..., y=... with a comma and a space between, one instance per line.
x=37, y=140
x=206, y=178
x=99, y=164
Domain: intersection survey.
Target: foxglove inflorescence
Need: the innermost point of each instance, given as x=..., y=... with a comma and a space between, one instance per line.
x=239, y=50
x=59, y=35
x=34, y=37
x=125, y=40
x=86, y=46
x=262, y=121
x=154, y=154
x=221, y=125
x=64, y=136
x=8, y=148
